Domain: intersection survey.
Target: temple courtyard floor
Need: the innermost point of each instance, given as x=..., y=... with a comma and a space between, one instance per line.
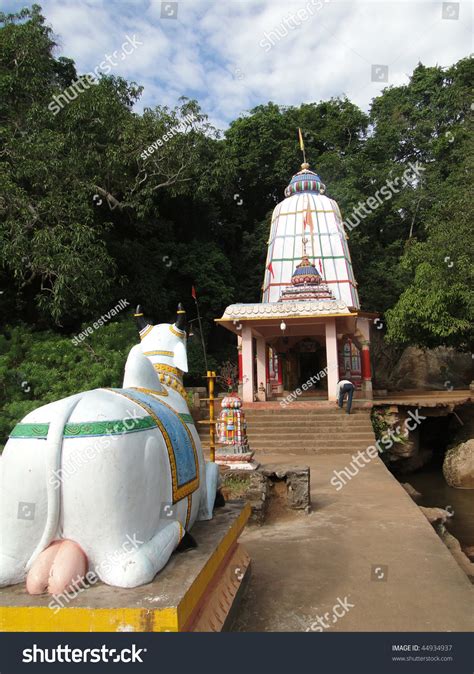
x=364, y=559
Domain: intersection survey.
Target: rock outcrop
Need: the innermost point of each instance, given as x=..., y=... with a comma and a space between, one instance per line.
x=440, y=369
x=458, y=466
x=436, y=515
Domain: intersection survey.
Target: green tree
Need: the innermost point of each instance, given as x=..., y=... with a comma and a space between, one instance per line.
x=39, y=367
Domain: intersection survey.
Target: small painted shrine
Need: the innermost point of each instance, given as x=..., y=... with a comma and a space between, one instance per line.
x=308, y=330
x=232, y=443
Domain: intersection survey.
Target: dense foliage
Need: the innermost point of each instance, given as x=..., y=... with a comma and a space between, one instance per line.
x=86, y=220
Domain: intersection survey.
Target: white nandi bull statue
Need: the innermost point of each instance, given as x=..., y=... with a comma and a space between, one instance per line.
x=109, y=479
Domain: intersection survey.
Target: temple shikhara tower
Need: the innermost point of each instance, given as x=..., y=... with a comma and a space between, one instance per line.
x=308, y=331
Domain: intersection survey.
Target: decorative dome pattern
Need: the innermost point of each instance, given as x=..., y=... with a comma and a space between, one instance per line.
x=306, y=273
x=305, y=181
x=306, y=284
x=308, y=213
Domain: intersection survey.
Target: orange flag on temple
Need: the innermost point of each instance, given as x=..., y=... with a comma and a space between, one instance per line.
x=308, y=219
x=270, y=269
x=300, y=137
x=193, y=292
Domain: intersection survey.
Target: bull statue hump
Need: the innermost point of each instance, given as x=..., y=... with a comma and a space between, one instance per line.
x=107, y=481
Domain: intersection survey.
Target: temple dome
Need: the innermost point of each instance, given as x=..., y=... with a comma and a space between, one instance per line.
x=305, y=181
x=305, y=272
x=306, y=284
x=308, y=212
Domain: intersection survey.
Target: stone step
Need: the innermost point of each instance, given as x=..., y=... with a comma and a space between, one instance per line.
x=309, y=423
x=303, y=425
x=284, y=443
x=298, y=425
x=329, y=411
x=305, y=431
x=340, y=449
x=354, y=449
x=278, y=408
x=307, y=435
x=307, y=415
x=308, y=431
x=289, y=440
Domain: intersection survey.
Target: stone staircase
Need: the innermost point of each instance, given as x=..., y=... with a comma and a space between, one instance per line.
x=314, y=430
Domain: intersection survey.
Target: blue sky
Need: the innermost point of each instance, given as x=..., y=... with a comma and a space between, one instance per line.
x=234, y=54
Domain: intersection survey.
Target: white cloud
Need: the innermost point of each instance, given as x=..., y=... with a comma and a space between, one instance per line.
x=212, y=51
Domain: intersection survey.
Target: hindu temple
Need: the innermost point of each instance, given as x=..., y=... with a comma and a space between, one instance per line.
x=308, y=331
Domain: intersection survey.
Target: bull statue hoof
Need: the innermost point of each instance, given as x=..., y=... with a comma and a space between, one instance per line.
x=108, y=481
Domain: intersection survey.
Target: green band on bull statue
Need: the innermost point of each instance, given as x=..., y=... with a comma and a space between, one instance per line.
x=91, y=429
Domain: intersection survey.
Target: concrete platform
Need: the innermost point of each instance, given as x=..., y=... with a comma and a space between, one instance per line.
x=417, y=398
x=196, y=591
x=302, y=565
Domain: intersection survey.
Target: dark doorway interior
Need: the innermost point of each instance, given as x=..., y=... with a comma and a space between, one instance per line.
x=311, y=364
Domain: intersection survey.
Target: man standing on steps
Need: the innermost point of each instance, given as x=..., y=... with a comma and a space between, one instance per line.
x=344, y=386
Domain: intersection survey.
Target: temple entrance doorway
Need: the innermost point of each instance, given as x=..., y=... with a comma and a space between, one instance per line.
x=311, y=360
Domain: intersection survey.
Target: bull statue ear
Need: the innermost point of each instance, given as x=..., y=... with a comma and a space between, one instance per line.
x=144, y=326
x=181, y=318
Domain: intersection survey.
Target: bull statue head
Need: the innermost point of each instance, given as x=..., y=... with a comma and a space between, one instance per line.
x=161, y=356
x=164, y=343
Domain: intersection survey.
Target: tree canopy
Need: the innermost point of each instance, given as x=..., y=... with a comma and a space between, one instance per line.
x=87, y=217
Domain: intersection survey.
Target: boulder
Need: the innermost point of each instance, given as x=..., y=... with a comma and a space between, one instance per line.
x=458, y=466
x=441, y=369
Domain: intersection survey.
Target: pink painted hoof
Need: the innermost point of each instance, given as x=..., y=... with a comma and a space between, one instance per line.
x=38, y=576
x=70, y=564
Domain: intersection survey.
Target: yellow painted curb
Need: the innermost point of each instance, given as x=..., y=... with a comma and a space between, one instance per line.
x=125, y=619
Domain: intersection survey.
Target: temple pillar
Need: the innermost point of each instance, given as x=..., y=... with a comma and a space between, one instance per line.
x=366, y=370
x=239, y=365
x=247, y=364
x=332, y=358
x=261, y=369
